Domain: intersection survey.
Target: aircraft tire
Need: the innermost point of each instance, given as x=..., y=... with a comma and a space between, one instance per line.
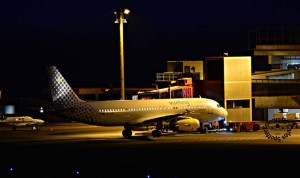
x=127, y=133
x=156, y=133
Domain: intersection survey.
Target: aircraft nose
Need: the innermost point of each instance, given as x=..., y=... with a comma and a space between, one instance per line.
x=225, y=112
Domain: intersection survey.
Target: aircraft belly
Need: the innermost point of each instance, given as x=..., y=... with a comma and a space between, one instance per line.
x=131, y=118
x=203, y=116
x=116, y=119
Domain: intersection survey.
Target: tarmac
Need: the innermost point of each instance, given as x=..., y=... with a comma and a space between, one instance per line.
x=80, y=150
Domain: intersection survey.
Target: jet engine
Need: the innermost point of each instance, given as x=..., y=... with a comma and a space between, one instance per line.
x=188, y=125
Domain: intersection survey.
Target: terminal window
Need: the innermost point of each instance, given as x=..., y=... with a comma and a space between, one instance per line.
x=235, y=104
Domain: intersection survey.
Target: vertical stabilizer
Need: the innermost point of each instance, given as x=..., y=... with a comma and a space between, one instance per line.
x=63, y=95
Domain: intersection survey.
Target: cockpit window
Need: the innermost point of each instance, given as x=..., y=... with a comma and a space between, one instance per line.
x=215, y=104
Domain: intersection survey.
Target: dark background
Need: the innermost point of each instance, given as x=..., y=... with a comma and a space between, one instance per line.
x=82, y=40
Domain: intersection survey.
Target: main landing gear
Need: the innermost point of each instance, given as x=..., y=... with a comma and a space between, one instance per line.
x=127, y=132
x=158, y=131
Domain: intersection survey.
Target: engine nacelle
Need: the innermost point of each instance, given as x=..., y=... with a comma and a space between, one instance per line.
x=188, y=125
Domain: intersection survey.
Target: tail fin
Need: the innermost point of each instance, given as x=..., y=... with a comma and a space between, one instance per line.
x=63, y=95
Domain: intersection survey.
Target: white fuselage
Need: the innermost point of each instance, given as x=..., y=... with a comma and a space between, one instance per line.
x=120, y=112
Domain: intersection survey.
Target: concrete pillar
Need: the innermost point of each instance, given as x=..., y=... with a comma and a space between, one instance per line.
x=269, y=59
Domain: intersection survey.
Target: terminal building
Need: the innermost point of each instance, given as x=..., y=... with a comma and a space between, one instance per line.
x=245, y=94
x=249, y=87
x=276, y=80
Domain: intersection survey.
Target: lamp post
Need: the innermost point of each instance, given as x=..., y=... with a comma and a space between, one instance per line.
x=120, y=19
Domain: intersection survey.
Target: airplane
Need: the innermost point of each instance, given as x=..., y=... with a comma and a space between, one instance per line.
x=132, y=114
x=18, y=121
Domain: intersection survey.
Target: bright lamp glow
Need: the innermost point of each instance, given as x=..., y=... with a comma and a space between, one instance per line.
x=126, y=11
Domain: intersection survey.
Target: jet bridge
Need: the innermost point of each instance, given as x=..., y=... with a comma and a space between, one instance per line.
x=292, y=102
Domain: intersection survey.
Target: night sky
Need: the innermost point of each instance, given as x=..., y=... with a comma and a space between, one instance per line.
x=82, y=40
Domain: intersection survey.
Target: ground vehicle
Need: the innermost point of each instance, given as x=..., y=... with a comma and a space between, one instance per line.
x=243, y=126
x=286, y=116
x=292, y=118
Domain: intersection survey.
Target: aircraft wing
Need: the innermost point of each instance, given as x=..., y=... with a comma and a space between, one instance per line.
x=162, y=117
x=34, y=123
x=13, y=123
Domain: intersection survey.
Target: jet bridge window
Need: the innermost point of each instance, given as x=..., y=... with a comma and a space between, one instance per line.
x=236, y=104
